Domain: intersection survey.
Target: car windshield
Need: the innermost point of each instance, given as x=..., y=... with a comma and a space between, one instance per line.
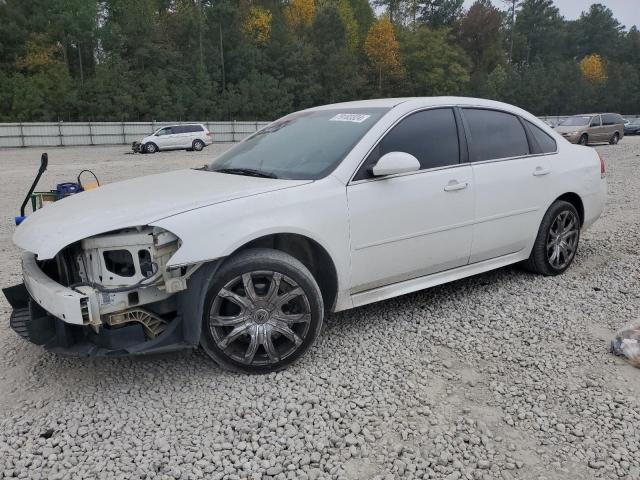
x=576, y=121
x=635, y=121
x=300, y=146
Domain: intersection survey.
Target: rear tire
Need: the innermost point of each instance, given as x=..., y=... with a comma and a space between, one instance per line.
x=615, y=139
x=262, y=311
x=584, y=139
x=198, y=145
x=557, y=240
x=150, y=147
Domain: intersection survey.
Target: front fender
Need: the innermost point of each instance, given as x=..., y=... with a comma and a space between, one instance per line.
x=317, y=211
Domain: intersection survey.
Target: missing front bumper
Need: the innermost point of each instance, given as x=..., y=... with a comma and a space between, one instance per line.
x=35, y=325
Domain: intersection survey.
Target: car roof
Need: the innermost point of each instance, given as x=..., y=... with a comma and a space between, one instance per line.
x=374, y=103
x=421, y=102
x=392, y=102
x=415, y=103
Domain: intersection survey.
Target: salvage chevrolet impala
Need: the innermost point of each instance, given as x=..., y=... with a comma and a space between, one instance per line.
x=323, y=210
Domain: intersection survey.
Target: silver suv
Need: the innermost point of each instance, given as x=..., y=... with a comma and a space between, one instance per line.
x=192, y=136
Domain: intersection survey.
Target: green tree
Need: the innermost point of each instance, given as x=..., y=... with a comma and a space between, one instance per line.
x=538, y=31
x=479, y=33
x=596, y=31
x=333, y=58
x=197, y=59
x=434, y=66
x=440, y=13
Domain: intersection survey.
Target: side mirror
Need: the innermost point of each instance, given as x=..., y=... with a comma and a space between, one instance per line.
x=395, y=162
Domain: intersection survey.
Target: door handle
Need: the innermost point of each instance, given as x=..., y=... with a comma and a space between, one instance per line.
x=452, y=187
x=539, y=171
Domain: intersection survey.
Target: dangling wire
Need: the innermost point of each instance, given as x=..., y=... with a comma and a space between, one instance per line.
x=88, y=171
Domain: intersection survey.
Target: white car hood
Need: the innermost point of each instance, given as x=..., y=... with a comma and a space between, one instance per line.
x=136, y=202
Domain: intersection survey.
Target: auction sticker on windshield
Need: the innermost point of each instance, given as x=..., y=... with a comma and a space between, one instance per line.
x=349, y=117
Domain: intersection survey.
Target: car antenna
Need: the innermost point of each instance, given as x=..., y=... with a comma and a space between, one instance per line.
x=44, y=161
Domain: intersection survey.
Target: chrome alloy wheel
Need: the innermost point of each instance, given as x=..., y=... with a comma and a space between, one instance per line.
x=260, y=318
x=562, y=240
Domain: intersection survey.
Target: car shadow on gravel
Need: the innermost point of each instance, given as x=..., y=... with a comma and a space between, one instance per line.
x=438, y=296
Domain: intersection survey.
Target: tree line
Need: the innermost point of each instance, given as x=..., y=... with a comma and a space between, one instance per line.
x=112, y=60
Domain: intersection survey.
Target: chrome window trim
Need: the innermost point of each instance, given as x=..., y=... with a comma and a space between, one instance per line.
x=417, y=172
x=448, y=167
x=532, y=155
x=427, y=170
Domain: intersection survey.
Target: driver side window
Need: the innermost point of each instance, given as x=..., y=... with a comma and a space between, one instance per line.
x=595, y=121
x=163, y=131
x=430, y=135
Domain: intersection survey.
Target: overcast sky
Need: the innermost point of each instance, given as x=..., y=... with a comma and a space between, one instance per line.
x=626, y=11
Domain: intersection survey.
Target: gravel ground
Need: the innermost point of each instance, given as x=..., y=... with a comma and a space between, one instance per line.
x=504, y=375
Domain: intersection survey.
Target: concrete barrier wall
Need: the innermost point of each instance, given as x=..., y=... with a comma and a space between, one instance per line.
x=107, y=133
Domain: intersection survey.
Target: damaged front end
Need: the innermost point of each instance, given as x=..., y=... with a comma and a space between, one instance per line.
x=110, y=294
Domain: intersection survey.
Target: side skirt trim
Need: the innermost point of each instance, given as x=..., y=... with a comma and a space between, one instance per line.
x=420, y=283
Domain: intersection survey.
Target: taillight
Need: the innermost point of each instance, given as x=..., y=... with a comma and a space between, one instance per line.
x=209, y=134
x=603, y=172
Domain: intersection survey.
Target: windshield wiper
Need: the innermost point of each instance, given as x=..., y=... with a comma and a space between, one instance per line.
x=246, y=171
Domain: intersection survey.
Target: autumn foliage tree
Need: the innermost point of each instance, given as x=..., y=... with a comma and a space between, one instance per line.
x=258, y=25
x=300, y=13
x=383, y=49
x=594, y=69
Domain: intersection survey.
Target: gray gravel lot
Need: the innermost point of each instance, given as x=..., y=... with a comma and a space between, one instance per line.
x=505, y=375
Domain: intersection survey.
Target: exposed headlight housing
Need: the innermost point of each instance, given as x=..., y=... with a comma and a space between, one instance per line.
x=127, y=257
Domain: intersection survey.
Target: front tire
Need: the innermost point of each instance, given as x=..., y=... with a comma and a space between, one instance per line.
x=615, y=139
x=150, y=147
x=262, y=311
x=584, y=140
x=557, y=240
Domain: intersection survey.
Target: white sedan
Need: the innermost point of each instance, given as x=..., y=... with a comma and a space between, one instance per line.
x=323, y=210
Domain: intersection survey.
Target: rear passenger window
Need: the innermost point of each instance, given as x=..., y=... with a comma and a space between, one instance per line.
x=546, y=143
x=611, y=119
x=178, y=129
x=495, y=135
x=194, y=128
x=430, y=135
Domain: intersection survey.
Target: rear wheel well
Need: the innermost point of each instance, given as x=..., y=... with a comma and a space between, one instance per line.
x=311, y=254
x=575, y=200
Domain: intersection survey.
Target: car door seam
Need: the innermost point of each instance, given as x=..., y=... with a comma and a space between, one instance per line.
x=446, y=228
x=414, y=235
x=512, y=213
